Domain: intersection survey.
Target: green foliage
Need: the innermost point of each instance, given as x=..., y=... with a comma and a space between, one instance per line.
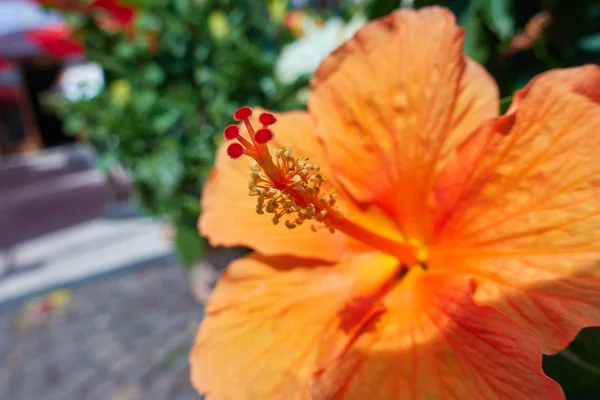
x=189, y=244
x=570, y=39
x=379, y=8
x=577, y=368
x=174, y=78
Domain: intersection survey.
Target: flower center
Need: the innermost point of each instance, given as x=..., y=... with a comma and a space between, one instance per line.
x=289, y=189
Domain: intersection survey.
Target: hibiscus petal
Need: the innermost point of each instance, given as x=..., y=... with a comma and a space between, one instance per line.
x=268, y=317
x=519, y=208
x=392, y=103
x=434, y=342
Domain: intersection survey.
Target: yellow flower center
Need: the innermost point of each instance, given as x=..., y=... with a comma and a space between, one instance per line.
x=299, y=199
x=288, y=189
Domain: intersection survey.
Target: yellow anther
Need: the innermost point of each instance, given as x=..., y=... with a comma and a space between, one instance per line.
x=270, y=207
x=274, y=219
x=291, y=186
x=321, y=215
x=289, y=224
x=254, y=166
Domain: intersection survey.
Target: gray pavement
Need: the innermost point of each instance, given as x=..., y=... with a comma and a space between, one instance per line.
x=123, y=338
x=81, y=252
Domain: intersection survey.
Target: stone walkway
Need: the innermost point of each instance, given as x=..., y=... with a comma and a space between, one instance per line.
x=82, y=252
x=123, y=338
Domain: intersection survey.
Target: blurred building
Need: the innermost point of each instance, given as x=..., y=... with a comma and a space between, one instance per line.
x=35, y=49
x=48, y=181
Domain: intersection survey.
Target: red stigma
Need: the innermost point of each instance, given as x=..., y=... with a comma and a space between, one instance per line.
x=231, y=132
x=267, y=119
x=235, y=150
x=242, y=113
x=263, y=135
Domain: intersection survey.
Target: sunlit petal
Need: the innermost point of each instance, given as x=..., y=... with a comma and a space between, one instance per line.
x=434, y=342
x=269, y=316
x=519, y=207
x=392, y=102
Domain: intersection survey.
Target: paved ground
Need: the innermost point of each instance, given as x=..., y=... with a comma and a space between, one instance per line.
x=82, y=252
x=123, y=338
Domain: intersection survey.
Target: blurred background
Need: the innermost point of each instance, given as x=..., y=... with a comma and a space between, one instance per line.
x=110, y=114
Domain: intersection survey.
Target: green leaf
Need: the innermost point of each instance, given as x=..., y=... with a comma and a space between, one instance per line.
x=475, y=45
x=189, y=245
x=201, y=53
x=74, y=124
x=146, y=21
x=505, y=103
x=125, y=50
x=379, y=8
x=183, y=7
x=498, y=17
x=428, y=3
x=153, y=74
x=577, y=368
x=175, y=353
x=203, y=75
x=145, y=101
x=106, y=161
x=162, y=172
x=165, y=121
x=190, y=204
x=587, y=345
x=590, y=43
x=138, y=4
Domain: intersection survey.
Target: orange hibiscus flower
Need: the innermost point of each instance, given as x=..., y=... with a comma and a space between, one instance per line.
x=458, y=246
